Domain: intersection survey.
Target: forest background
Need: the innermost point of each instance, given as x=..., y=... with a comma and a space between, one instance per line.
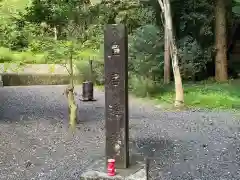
x=42, y=31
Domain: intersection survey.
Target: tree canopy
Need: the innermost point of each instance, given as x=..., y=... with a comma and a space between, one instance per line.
x=33, y=26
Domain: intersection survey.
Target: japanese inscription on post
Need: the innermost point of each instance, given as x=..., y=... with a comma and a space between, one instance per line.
x=116, y=94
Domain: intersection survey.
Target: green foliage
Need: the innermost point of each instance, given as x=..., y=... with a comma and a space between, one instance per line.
x=11, y=35
x=142, y=87
x=146, y=52
x=71, y=18
x=11, y=8
x=193, y=58
x=236, y=7
x=27, y=34
x=6, y=55
x=195, y=18
x=54, y=12
x=136, y=17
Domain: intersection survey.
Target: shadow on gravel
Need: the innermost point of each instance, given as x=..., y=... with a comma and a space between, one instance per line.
x=188, y=160
x=149, y=147
x=159, y=151
x=48, y=103
x=12, y=114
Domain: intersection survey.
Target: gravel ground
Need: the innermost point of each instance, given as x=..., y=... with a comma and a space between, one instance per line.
x=35, y=143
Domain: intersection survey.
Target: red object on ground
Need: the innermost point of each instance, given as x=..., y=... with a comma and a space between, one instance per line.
x=111, y=167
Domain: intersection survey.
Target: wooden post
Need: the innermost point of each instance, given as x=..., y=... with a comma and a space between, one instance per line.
x=116, y=94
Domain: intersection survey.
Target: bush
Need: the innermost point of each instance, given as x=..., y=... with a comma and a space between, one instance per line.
x=98, y=71
x=92, y=49
x=84, y=69
x=146, y=52
x=193, y=58
x=17, y=34
x=142, y=87
x=50, y=47
x=98, y=68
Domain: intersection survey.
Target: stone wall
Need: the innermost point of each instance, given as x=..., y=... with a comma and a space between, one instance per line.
x=36, y=74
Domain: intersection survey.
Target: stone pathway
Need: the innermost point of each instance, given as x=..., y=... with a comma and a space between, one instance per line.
x=35, y=143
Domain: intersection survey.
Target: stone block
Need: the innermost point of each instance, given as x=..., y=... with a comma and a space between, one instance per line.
x=97, y=171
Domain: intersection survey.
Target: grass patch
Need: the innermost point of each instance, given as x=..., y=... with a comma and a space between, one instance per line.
x=210, y=95
x=6, y=55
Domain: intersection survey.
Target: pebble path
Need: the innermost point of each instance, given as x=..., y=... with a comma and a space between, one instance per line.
x=35, y=143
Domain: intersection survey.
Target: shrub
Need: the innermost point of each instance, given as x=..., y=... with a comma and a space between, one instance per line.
x=142, y=87
x=193, y=58
x=146, y=52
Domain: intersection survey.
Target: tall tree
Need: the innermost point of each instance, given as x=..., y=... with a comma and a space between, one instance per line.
x=59, y=14
x=167, y=68
x=221, y=73
x=166, y=9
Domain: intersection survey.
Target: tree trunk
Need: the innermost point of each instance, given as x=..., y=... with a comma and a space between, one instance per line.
x=166, y=58
x=221, y=41
x=230, y=27
x=70, y=95
x=166, y=8
x=229, y=20
x=55, y=30
x=91, y=70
